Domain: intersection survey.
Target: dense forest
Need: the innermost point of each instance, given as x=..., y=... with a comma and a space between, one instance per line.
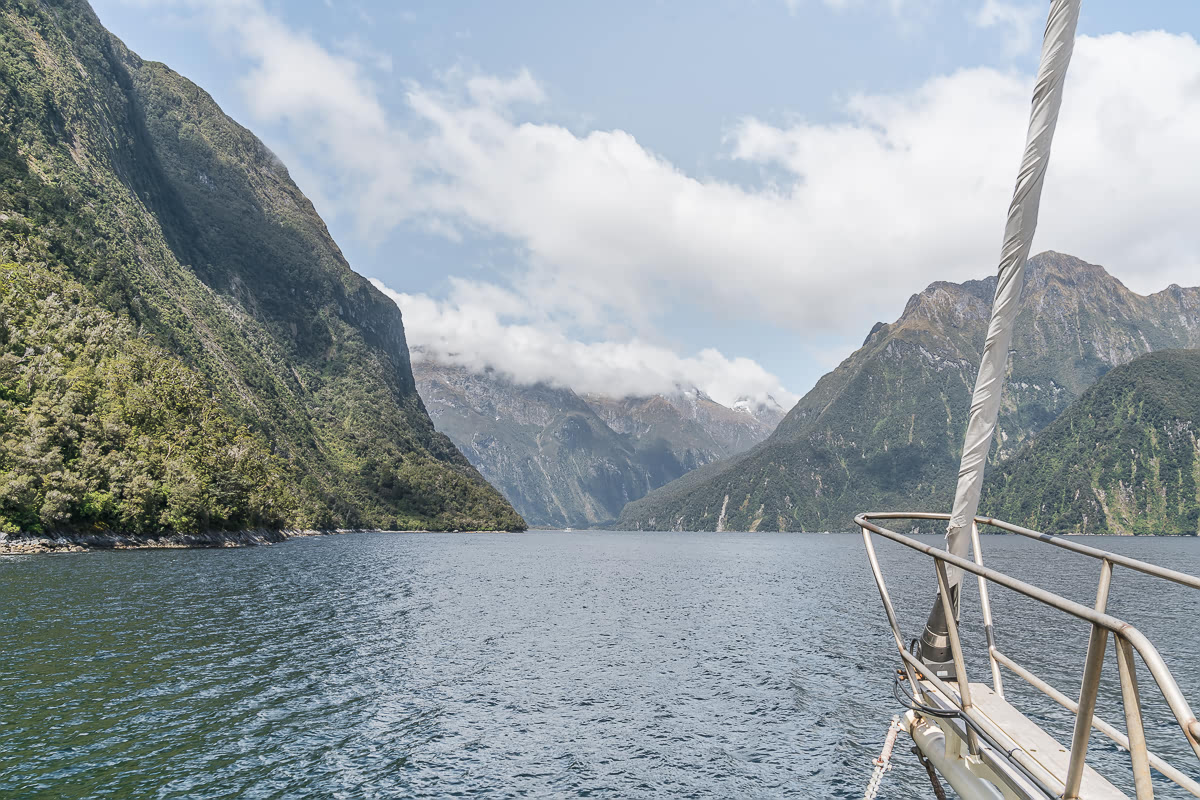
x=105, y=429
x=1122, y=459
x=184, y=345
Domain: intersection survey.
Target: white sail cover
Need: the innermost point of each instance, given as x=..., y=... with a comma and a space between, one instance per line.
x=1018, y=237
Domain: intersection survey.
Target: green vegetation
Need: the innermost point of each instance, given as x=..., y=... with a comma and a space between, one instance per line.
x=1122, y=459
x=101, y=428
x=261, y=382
x=884, y=430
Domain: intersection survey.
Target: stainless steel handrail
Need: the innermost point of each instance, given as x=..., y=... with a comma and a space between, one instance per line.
x=1126, y=637
x=1058, y=541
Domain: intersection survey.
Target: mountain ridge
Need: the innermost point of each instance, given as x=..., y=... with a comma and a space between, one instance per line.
x=570, y=460
x=884, y=428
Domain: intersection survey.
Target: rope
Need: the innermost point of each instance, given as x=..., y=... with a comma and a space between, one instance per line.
x=938, y=791
x=884, y=762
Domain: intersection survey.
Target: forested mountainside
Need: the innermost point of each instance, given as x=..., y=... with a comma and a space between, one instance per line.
x=884, y=429
x=570, y=461
x=182, y=344
x=1122, y=458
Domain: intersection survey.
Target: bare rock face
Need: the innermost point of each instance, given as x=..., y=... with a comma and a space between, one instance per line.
x=884, y=429
x=568, y=461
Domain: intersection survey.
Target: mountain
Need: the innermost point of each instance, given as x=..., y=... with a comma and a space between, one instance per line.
x=570, y=461
x=1123, y=458
x=183, y=345
x=767, y=411
x=698, y=429
x=884, y=429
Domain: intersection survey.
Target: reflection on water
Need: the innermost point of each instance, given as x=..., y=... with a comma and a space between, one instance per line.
x=534, y=665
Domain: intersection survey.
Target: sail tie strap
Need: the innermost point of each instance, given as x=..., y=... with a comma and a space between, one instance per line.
x=1018, y=238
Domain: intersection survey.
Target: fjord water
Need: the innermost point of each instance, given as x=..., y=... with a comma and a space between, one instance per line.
x=545, y=664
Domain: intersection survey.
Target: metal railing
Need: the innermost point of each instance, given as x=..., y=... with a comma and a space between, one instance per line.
x=1126, y=638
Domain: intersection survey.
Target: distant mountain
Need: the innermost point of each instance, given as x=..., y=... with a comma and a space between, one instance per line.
x=182, y=344
x=1123, y=458
x=570, y=461
x=884, y=429
x=698, y=429
x=767, y=411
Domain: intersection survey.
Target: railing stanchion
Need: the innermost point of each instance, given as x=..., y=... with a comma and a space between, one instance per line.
x=1106, y=571
x=1127, y=639
x=1097, y=643
x=985, y=605
x=1108, y=730
x=1133, y=720
x=889, y=610
x=960, y=664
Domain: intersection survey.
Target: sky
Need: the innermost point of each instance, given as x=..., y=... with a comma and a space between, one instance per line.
x=625, y=197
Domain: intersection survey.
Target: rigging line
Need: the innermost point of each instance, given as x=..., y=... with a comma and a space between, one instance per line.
x=938, y=791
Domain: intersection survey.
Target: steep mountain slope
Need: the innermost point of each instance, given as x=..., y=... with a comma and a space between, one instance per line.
x=1122, y=458
x=96, y=417
x=565, y=461
x=126, y=183
x=884, y=429
x=557, y=462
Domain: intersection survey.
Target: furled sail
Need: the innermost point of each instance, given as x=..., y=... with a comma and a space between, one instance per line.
x=1018, y=237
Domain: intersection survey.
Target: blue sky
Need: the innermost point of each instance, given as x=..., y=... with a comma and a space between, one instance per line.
x=624, y=196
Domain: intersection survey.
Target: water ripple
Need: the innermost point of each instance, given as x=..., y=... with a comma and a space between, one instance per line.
x=541, y=665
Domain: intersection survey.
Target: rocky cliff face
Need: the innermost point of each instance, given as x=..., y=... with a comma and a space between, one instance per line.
x=123, y=185
x=570, y=461
x=884, y=429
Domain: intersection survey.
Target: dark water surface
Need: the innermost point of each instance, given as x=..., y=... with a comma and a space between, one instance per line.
x=536, y=665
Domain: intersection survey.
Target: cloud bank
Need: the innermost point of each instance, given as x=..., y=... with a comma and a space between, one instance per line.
x=850, y=218
x=481, y=327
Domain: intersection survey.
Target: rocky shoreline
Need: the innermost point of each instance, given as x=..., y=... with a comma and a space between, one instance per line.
x=73, y=542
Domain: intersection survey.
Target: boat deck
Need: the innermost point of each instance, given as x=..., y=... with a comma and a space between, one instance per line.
x=1026, y=760
x=1040, y=746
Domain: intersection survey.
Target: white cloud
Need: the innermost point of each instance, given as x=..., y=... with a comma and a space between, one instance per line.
x=1019, y=19
x=329, y=97
x=907, y=188
x=499, y=93
x=360, y=50
x=481, y=326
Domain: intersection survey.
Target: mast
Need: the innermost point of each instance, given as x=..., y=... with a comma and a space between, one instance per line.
x=1057, y=46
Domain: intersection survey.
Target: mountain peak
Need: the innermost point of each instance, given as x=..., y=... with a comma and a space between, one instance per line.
x=1050, y=264
x=884, y=429
x=944, y=306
